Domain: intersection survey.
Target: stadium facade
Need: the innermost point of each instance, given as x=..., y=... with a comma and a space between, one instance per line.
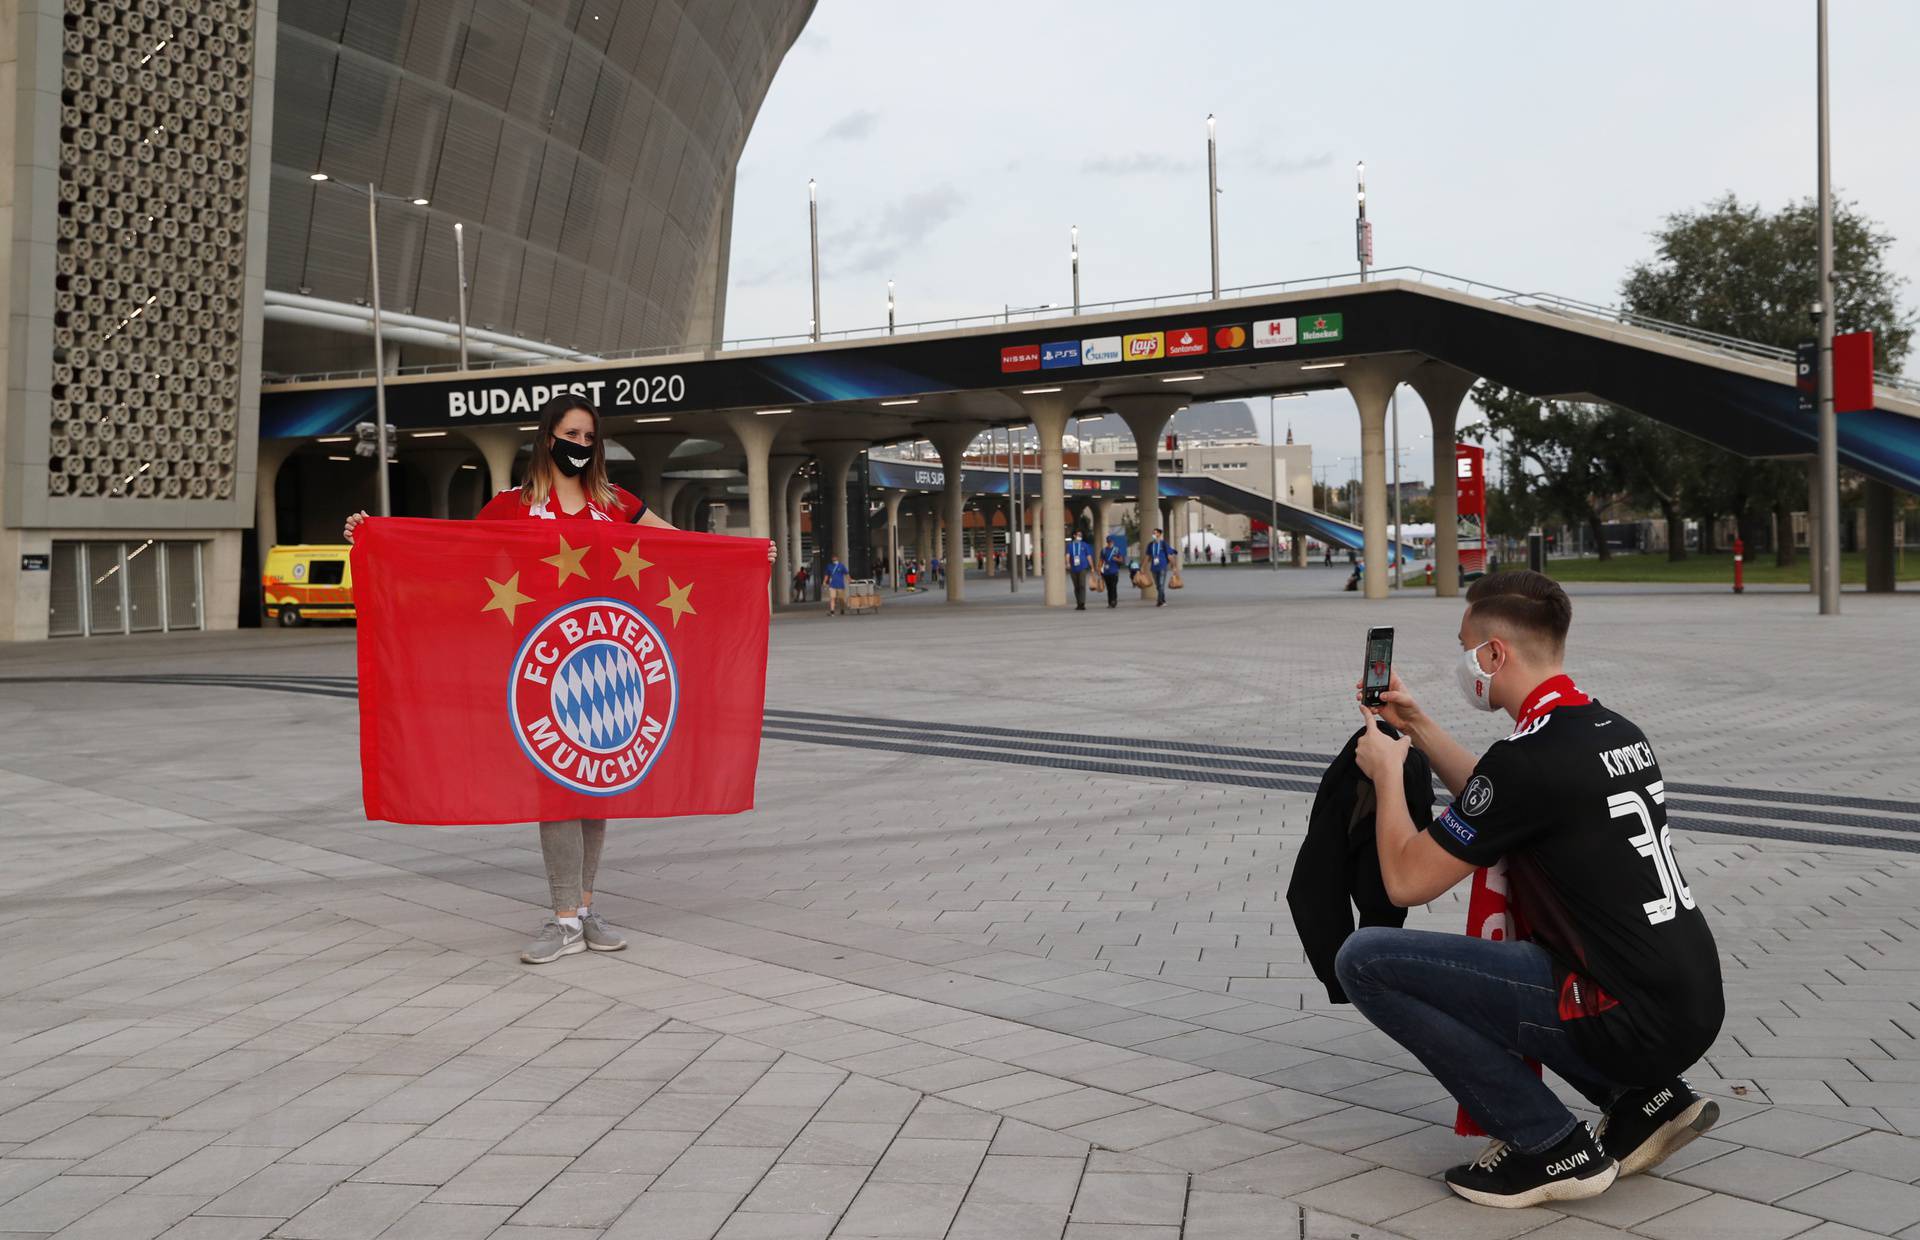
x=171, y=245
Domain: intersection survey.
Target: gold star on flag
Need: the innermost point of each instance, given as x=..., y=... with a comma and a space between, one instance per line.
x=506, y=596
x=567, y=560
x=631, y=564
x=676, y=600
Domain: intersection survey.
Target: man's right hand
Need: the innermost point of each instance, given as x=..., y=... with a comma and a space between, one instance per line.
x=1397, y=706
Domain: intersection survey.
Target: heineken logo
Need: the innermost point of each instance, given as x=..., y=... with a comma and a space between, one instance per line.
x=1320, y=327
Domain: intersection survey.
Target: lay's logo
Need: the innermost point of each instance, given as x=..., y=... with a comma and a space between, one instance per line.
x=1145, y=346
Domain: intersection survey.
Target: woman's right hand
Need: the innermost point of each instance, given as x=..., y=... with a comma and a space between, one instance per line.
x=352, y=521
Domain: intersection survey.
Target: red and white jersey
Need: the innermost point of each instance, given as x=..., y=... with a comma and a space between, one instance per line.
x=508, y=506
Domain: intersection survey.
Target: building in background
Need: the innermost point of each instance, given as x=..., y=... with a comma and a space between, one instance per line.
x=169, y=242
x=1216, y=440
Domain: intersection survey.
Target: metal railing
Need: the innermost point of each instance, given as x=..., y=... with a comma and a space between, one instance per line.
x=1199, y=299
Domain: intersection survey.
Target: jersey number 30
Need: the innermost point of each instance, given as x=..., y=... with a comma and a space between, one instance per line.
x=1657, y=847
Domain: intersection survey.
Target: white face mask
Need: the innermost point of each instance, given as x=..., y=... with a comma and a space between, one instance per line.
x=1475, y=685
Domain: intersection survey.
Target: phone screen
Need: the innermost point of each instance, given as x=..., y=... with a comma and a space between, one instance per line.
x=1379, y=669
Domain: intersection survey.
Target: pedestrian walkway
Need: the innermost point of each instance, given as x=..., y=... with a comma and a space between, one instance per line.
x=1002, y=954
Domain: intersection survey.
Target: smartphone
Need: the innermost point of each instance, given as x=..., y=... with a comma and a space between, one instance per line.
x=1378, y=673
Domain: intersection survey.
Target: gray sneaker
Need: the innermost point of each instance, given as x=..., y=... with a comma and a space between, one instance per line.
x=553, y=942
x=600, y=936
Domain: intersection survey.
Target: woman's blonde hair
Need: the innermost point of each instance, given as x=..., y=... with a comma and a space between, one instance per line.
x=541, y=470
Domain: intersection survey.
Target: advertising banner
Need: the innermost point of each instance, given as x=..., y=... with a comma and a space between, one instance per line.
x=1229, y=338
x=1019, y=357
x=1318, y=327
x=1186, y=341
x=1145, y=346
x=1470, y=469
x=1272, y=333
x=1059, y=353
x=1100, y=351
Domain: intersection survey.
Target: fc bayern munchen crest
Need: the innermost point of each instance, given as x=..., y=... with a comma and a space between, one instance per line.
x=592, y=695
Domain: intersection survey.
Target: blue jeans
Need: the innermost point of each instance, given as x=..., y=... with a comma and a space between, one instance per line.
x=1160, y=583
x=1470, y=1009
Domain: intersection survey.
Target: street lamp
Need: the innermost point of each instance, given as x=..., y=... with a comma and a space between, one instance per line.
x=813, y=232
x=889, y=307
x=460, y=261
x=374, y=196
x=1362, y=231
x=1829, y=520
x=1011, y=310
x=1213, y=205
x=1074, y=232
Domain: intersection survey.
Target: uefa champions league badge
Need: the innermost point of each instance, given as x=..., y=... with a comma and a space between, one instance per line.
x=592, y=696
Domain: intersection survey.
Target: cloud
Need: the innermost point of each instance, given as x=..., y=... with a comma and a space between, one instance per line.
x=1289, y=164
x=1139, y=164
x=851, y=127
x=876, y=242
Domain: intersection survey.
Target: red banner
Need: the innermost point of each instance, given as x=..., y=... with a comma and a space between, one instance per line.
x=1470, y=468
x=516, y=671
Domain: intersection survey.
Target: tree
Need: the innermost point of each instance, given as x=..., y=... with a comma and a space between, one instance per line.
x=1662, y=468
x=1571, y=454
x=1734, y=269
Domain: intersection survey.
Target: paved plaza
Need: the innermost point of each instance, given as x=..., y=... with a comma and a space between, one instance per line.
x=1002, y=955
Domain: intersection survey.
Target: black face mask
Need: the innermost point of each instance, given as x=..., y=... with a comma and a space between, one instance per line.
x=570, y=458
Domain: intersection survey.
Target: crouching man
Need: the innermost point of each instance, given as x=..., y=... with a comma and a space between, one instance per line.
x=1617, y=991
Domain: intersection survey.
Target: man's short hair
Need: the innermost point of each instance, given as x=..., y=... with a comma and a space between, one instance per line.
x=1526, y=603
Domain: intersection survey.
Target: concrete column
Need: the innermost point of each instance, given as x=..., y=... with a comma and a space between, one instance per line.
x=1035, y=514
x=756, y=434
x=923, y=530
x=836, y=457
x=1050, y=411
x=797, y=492
x=1880, y=556
x=1146, y=415
x=1371, y=384
x=781, y=470
x=500, y=445
x=892, y=501
x=1441, y=388
x=266, y=517
x=951, y=440
x=441, y=468
x=1299, y=550
x=1180, y=513
x=670, y=491
x=651, y=452
x=1102, y=520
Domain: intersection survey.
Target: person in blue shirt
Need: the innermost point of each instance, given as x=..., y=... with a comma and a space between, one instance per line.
x=1159, y=556
x=1113, y=562
x=836, y=587
x=1079, y=560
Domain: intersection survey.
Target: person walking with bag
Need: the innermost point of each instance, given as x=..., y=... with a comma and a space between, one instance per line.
x=567, y=481
x=1159, y=559
x=1113, y=562
x=1079, y=561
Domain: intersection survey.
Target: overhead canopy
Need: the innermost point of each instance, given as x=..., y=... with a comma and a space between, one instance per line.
x=895, y=389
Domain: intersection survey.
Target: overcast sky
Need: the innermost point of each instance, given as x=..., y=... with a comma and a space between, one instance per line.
x=1528, y=145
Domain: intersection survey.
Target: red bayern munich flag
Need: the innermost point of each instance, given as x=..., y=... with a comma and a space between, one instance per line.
x=513, y=671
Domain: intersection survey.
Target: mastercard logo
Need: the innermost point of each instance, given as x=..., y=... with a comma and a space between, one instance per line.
x=1230, y=338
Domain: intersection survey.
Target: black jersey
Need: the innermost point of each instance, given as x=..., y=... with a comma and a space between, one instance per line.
x=1575, y=802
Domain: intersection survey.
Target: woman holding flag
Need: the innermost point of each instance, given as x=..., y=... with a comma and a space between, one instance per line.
x=567, y=481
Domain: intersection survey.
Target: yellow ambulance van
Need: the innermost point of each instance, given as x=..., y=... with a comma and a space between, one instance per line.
x=307, y=582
